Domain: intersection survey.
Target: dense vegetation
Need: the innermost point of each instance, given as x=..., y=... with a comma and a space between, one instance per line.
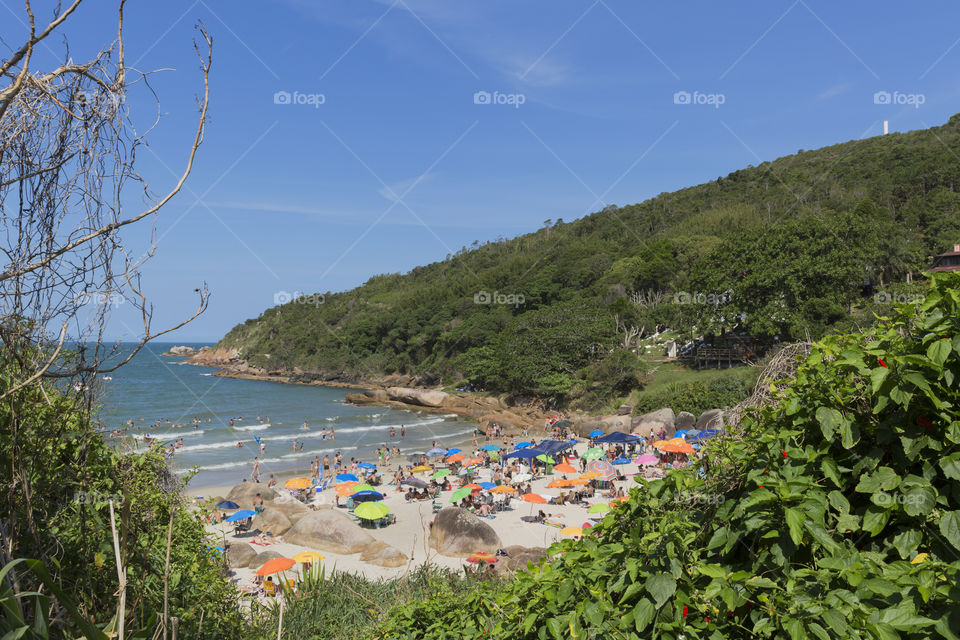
x=59, y=476
x=780, y=250
x=836, y=513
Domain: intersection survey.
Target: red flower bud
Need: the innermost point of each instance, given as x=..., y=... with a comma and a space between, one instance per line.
x=707, y=620
x=761, y=486
x=882, y=363
x=784, y=453
x=923, y=422
x=684, y=611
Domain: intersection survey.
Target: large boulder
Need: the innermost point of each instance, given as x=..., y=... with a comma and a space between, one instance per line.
x=685, y=420
x=656, y=420
x=383, y=555
x=712, y=419
x=288, y=505
x=329, y=530
x=244, y=493
x=258, y=560
x=518, y=556
x=458, y=533
x=273, y=521
x=240, y=554
x=624, y=410
x=419, y=397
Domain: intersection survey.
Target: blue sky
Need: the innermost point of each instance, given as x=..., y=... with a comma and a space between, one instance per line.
x=383, y=158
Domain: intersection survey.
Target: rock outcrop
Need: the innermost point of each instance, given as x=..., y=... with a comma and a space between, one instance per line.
x=182, y=351
x=383, y=555
x=273, y=521
x=244, y=493
x=656, y=420
x=329, y=530
x=240, y=554
x=258, y=560
x=685, y=420
x=418, y=397
x=712, y=419
x=518, y=556
x=458, y=533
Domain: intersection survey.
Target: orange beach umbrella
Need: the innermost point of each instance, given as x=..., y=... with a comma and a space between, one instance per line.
x=275, y=566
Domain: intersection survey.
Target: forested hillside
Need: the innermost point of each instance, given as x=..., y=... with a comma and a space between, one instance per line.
x=779, y=250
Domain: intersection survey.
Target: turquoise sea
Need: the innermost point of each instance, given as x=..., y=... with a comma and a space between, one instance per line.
x=157, y=393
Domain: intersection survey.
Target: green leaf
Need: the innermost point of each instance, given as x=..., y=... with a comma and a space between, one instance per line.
x=829, y=468
x=849, y=434
x=643, y=614
x=795, y=520
x=565, y=591
x=951, y=466
x=661, y=586
x=950, y=527
x=877, y=376
x=939, y=351
x=883, y=479
x=907, y=542
x=875, y=519
x=829, y=419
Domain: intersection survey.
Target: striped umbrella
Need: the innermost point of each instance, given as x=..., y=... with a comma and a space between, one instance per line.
x=603, y=468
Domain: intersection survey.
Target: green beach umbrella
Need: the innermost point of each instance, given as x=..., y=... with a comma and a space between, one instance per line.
x=460, y=494
x=440, y=474
x=361, y=487
x=593, y=454
x=371, y=510
x=599, y=508
x=545, y=458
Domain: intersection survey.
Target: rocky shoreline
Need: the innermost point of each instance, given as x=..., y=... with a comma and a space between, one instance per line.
x=396, y=391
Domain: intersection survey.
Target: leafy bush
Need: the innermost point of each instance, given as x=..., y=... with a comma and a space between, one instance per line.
x=697, y=397
x=835, y=513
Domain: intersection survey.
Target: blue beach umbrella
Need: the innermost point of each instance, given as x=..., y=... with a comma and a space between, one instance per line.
x=367, y=465
x=347, y=477
x=366, y=496
x=596, y=433
x=453, y=451
x=241, y=515
x=622, y=461
x=490, y=447
x=227, y=504
x=487, y=485
x=436, y=452
x=521, y=445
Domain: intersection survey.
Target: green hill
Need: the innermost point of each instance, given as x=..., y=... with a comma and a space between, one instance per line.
x=779, y=250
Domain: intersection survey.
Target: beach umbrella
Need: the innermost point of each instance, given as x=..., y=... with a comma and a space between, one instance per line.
x=482, y=557
x=434, y=453
x=367, y=465
x=367, y=496
x=420, y=468
x=578, y=482
x=490, y=447
x=647, y=459
x=596, y=433
x=473, y=486
x=473, y=461
x=453, y=451
x=521, y=445
x=487, y=485
x=677, y=448
x=522, y=477
x=621, y=461
x=227, y=504
x=297, y=483
x=460, y=494
x=503, y=488
x=590, y=475
x=563, y=467
x=371, y=510
x=593, y=454
x=571, y=531
x=534, y=498
x=308, y=556
x=545, y=458
x=441, y=474
x=558, y=484
x=347, y=477
x=599, y=508
x=456, y=458
x=241, y=515
x=464, y=472
x=603, y=468
x=416, y=482
x=679, y=433
x=662, y=443
x=619, y=500
x=361, y=487
x=275, y=565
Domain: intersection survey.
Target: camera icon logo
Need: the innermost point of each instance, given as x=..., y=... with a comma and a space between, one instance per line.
x=282, y=97
x=282, y=297
x=882, y=97
x=482, y=297
x=482, y=97
x=681, y=97
x=882, y=297
x=682, y=297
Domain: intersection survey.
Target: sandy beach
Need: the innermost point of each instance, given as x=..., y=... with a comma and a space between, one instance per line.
x=410, y=532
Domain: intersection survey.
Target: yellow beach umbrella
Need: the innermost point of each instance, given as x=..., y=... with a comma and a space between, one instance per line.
x=572, y=531
x=503, y=488
x=421, y=468
x=308, y=557
x=590, y=475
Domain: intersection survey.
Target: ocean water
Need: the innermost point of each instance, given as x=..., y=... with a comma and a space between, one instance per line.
x=157, y=393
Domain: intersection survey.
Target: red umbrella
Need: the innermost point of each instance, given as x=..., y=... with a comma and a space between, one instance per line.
x=482, y=557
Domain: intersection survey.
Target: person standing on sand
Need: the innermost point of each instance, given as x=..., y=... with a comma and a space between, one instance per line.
x=403, y=431
x=326, y=465
x=256, y=470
